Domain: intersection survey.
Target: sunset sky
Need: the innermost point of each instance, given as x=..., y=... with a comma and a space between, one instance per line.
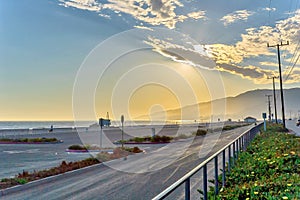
x=83, y=58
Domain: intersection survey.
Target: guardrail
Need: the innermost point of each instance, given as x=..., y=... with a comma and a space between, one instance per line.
x=233, y=149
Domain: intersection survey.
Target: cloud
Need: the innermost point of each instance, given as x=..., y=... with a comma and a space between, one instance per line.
x=254, y=42
x=231, y=58
x=256, y=74
x=197, y=15
x=90, y=5
x=104, y=16
x=270, y=64
x=223, y=53
x=143, y=27
x=189, y=54
x=153, y=12
x=269, y=9
x=236, y=16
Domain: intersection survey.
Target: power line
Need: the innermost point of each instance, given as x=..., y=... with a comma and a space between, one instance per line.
x=294, y=55
x=280, y=78
x=292, y=68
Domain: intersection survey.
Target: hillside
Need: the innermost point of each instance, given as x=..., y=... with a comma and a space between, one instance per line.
x=251, y=103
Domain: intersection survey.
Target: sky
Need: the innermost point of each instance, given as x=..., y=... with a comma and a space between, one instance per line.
x=66, y=59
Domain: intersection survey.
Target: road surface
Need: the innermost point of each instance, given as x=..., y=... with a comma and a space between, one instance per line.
x=291, y=124
x=116, y=180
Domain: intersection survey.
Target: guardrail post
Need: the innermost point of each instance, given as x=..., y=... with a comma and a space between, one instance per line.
x=205, y=182
x=216, y=176
x=224, y=170
x=229, y=157
x=233, y=153
x=187, y=189
x=248, y=138
x=237, y=148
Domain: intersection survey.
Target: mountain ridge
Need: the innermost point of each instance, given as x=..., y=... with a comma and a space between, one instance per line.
x=250, y=103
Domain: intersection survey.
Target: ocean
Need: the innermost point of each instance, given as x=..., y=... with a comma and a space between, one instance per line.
x=70, y=124
x=40, y=124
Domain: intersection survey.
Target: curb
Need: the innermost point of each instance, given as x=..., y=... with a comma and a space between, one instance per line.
x=35, y=183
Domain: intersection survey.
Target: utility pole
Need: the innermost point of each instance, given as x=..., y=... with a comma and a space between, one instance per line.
x=274, y=95
x=269, y=105
x=280, y=78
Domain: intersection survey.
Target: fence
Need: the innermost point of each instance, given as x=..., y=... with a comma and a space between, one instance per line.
x=232, y=149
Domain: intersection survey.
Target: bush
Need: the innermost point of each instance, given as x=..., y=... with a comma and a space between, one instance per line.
x=201, y=132
x=21, y=181
x=165, y=138
x=156, y=138
x=77, y=147
x=132, y=150
x=138, y=139
x=136, y=150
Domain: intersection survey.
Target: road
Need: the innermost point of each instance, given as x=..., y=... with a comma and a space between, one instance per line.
x=291, y=124
x=141, y=176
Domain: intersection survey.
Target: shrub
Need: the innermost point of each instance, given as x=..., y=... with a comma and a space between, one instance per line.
x=136, y=150
x=138, y=139
x=77, y=147
x=165, y=138
x=201, y=132
x=21, y=181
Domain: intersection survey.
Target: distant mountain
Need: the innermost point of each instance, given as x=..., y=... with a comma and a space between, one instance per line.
x=251, y=103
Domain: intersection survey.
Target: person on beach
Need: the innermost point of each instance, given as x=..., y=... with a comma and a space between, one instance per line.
x=51, y=128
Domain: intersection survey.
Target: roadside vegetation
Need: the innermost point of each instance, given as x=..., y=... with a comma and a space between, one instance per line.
x=148, y=139
x=202, y=132
x=230, y=127
x=268, y=169
x=25, y=176
x=30, y=140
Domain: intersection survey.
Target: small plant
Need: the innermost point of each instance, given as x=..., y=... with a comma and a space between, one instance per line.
x=21, y=181
x=77, y=147
x=200, y=132
x=133, y=150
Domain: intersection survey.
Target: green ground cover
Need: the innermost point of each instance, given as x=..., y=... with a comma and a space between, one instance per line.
x=268, y=169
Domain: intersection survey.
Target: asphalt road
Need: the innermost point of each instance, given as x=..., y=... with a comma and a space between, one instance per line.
x=18, y=157
x=291, y=124
x=141, y=176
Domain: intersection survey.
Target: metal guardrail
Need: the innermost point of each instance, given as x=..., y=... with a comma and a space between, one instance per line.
x=240, y=143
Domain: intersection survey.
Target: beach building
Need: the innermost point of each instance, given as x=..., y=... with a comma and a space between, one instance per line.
x=250, y=120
